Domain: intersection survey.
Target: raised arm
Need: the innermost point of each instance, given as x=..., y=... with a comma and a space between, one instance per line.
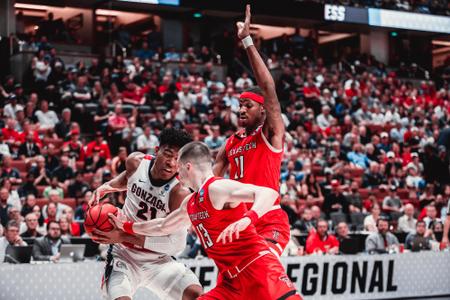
x=221, y=162
x=157, y=227
x=118, y=183
x=273, y=127
x=230, y=192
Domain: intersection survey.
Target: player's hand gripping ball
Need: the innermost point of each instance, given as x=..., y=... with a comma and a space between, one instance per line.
x=97, y=217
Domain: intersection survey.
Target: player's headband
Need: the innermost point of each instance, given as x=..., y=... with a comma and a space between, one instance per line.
x=252, y=96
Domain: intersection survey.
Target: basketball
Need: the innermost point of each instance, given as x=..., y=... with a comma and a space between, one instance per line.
x=97, y=217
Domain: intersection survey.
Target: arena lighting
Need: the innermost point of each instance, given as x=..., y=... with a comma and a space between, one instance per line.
x=407, y=20
x=31, y=6
x=197, y=15
x=165, y=2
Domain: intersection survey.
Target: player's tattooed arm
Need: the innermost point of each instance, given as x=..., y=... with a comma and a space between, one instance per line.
x=273, y=127
x=221, y=163
x=160, y=226
x=118, y=183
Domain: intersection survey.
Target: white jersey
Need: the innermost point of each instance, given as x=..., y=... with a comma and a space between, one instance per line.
x=145, y=202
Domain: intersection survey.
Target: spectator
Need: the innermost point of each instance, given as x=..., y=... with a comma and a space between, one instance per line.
x=30, y=202
x=319, y=241
x=47, y=118
x=65, y=228
x=407, y=222
x=4, y=206
x=358, y=158
x=353, y=198
x=51, y=159
x=78, y=187
x=102, y=115
x=214, y=140
x=419, y=238
x=130, y=134
x=48, y=248
x=10, y=173
x=83, y=206
x=311, y=187
x=147, y=142
x=75, y=228
x=28, y=187
x=243, y=82
x=54, y=209
x=11, y=238
x=118, y=163
x=103, y=147
x=373, y=178
x=64, y=173
x=74, y=147
x=14, y=214
x=335, y=200
x=63, y=127
x=31, y=226
x=431, y=216
x=95, y=162
x=5, y=150
x=54, y=187
x=39, y=172
x=325, y=120
x=342, y=232
x=392, y=203
x=306, y=222
x=381, y=241
x=29, y=150
x=370, y=221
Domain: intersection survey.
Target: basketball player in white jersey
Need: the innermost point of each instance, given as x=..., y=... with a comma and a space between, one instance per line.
x=153, y=191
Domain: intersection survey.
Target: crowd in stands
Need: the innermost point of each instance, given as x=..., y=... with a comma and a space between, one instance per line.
x=364, y=149
x=436, y=7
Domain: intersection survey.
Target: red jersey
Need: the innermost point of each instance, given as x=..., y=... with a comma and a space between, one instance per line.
x=254, y=160
x=209, y=223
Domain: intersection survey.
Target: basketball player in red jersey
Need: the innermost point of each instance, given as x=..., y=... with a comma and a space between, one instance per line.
x=254, y=154
x=226, y=229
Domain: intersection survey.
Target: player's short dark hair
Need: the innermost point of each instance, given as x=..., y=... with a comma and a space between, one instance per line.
x=174, y=138
x=195, y=151
x=255, y=90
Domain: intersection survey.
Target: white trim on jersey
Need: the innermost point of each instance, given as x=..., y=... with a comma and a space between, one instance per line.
x=271, y=148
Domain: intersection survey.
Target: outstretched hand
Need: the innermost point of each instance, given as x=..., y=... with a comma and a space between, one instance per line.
x=244, y=27
x=232, y=231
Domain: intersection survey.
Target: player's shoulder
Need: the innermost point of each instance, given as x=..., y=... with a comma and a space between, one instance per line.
x=222, y=185
x=133, y=160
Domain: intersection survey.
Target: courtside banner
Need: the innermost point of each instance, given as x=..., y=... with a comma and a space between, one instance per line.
x=358, y=276
x=417, y=275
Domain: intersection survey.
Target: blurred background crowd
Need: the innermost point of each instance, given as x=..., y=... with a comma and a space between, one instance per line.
x=366, y=151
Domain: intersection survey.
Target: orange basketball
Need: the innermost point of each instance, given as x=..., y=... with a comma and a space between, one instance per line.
x=97, y=217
